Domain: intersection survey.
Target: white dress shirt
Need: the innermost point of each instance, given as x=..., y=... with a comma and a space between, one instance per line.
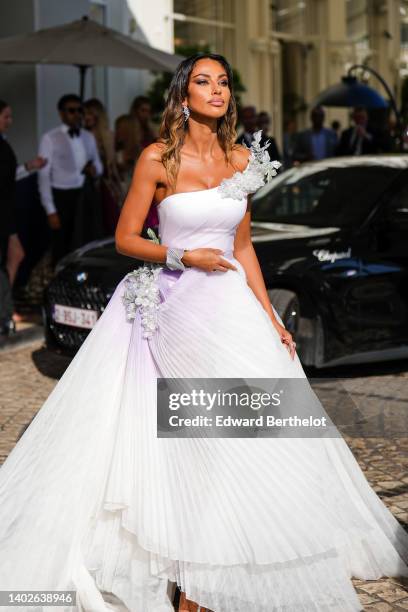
x=66, y=158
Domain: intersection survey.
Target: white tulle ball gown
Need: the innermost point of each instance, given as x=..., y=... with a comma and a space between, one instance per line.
x=92, y=500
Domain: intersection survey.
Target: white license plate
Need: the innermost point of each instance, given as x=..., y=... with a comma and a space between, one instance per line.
x=77, y=317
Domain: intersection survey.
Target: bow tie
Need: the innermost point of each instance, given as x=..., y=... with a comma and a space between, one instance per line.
x=73, y=132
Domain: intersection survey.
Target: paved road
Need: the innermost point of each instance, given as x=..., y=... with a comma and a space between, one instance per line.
x=370, y=406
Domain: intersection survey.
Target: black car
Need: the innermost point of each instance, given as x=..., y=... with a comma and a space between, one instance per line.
x=332, y=241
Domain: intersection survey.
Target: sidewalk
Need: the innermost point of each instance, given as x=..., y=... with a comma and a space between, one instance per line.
x=28, y=375
x=27, y=332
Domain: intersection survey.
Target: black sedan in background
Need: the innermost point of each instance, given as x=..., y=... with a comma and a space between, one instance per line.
x=332, y=241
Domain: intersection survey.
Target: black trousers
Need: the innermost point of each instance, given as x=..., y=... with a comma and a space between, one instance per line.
x=6, y=300
x=4, y=240
x=67, y=203
x=80, y=212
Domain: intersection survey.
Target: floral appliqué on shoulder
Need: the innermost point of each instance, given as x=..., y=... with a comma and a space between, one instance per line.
x=259, y=171
x=142, y=293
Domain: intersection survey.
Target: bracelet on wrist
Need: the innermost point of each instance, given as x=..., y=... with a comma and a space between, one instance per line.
x=173, y=258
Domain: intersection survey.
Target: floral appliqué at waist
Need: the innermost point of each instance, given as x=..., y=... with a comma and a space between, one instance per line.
x=142, y=293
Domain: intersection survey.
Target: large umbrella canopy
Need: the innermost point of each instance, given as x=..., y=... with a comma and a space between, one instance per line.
x=350, y=92
x=84, y=43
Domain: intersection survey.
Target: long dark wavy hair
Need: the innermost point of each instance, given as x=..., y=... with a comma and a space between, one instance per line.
x=173, y=127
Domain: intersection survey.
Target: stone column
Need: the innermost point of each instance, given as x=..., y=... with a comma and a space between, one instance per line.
x=385, y=40
x=257, y=58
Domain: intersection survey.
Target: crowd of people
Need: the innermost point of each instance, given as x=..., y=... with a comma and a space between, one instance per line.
x=84, y=170
x=318, y=141
x=321, y=142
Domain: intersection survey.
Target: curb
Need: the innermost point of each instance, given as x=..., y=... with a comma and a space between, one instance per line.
x=22, y=338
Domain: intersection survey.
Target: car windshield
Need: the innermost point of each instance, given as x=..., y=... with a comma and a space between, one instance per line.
x=339, y=197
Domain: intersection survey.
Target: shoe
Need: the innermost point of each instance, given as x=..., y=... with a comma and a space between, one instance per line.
x=8, y=328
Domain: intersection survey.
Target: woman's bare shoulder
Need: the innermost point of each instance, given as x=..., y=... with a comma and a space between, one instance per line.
x=149, y=163
x=153, y=152
x=240, y=156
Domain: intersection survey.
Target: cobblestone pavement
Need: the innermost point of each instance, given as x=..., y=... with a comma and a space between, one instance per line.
x=374, y=399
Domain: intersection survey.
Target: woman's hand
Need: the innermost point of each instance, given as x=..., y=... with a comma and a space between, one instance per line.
x=36, y=164
x=286, y=338
x=209, y=260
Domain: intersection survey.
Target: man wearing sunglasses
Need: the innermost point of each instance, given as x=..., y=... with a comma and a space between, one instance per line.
x=72, y=156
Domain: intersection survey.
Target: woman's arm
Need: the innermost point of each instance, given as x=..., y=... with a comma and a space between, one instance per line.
x=135, y=209
x=244, y=252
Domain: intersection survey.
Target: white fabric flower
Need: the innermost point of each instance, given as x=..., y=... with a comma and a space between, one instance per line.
x=240, y=184
x=142, y=294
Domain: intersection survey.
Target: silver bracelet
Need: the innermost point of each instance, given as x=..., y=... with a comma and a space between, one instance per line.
x=173, y=259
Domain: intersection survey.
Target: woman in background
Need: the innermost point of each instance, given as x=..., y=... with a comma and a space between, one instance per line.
x=127, y=148
x=96, y=121
x=141, y=112
x=11, y=249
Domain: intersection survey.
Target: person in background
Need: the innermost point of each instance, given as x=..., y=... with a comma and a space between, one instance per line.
x=360, y=139
x=336, y=126
x=249, y=120
x=317, y=142
x=73, y=157
x=96, y=121
x=263, y=123
x=11, y=250
x=289, y=135
x=127, y=148
x=141, y=112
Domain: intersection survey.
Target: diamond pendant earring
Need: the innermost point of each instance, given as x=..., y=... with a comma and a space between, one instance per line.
x=186, y=112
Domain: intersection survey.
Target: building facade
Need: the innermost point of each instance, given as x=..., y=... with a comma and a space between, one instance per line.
x=286, y=51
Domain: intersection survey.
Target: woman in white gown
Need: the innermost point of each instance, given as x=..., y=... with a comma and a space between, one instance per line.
x=92, y=500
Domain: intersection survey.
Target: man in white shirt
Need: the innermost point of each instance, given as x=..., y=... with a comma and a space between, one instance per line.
x=72, y=156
